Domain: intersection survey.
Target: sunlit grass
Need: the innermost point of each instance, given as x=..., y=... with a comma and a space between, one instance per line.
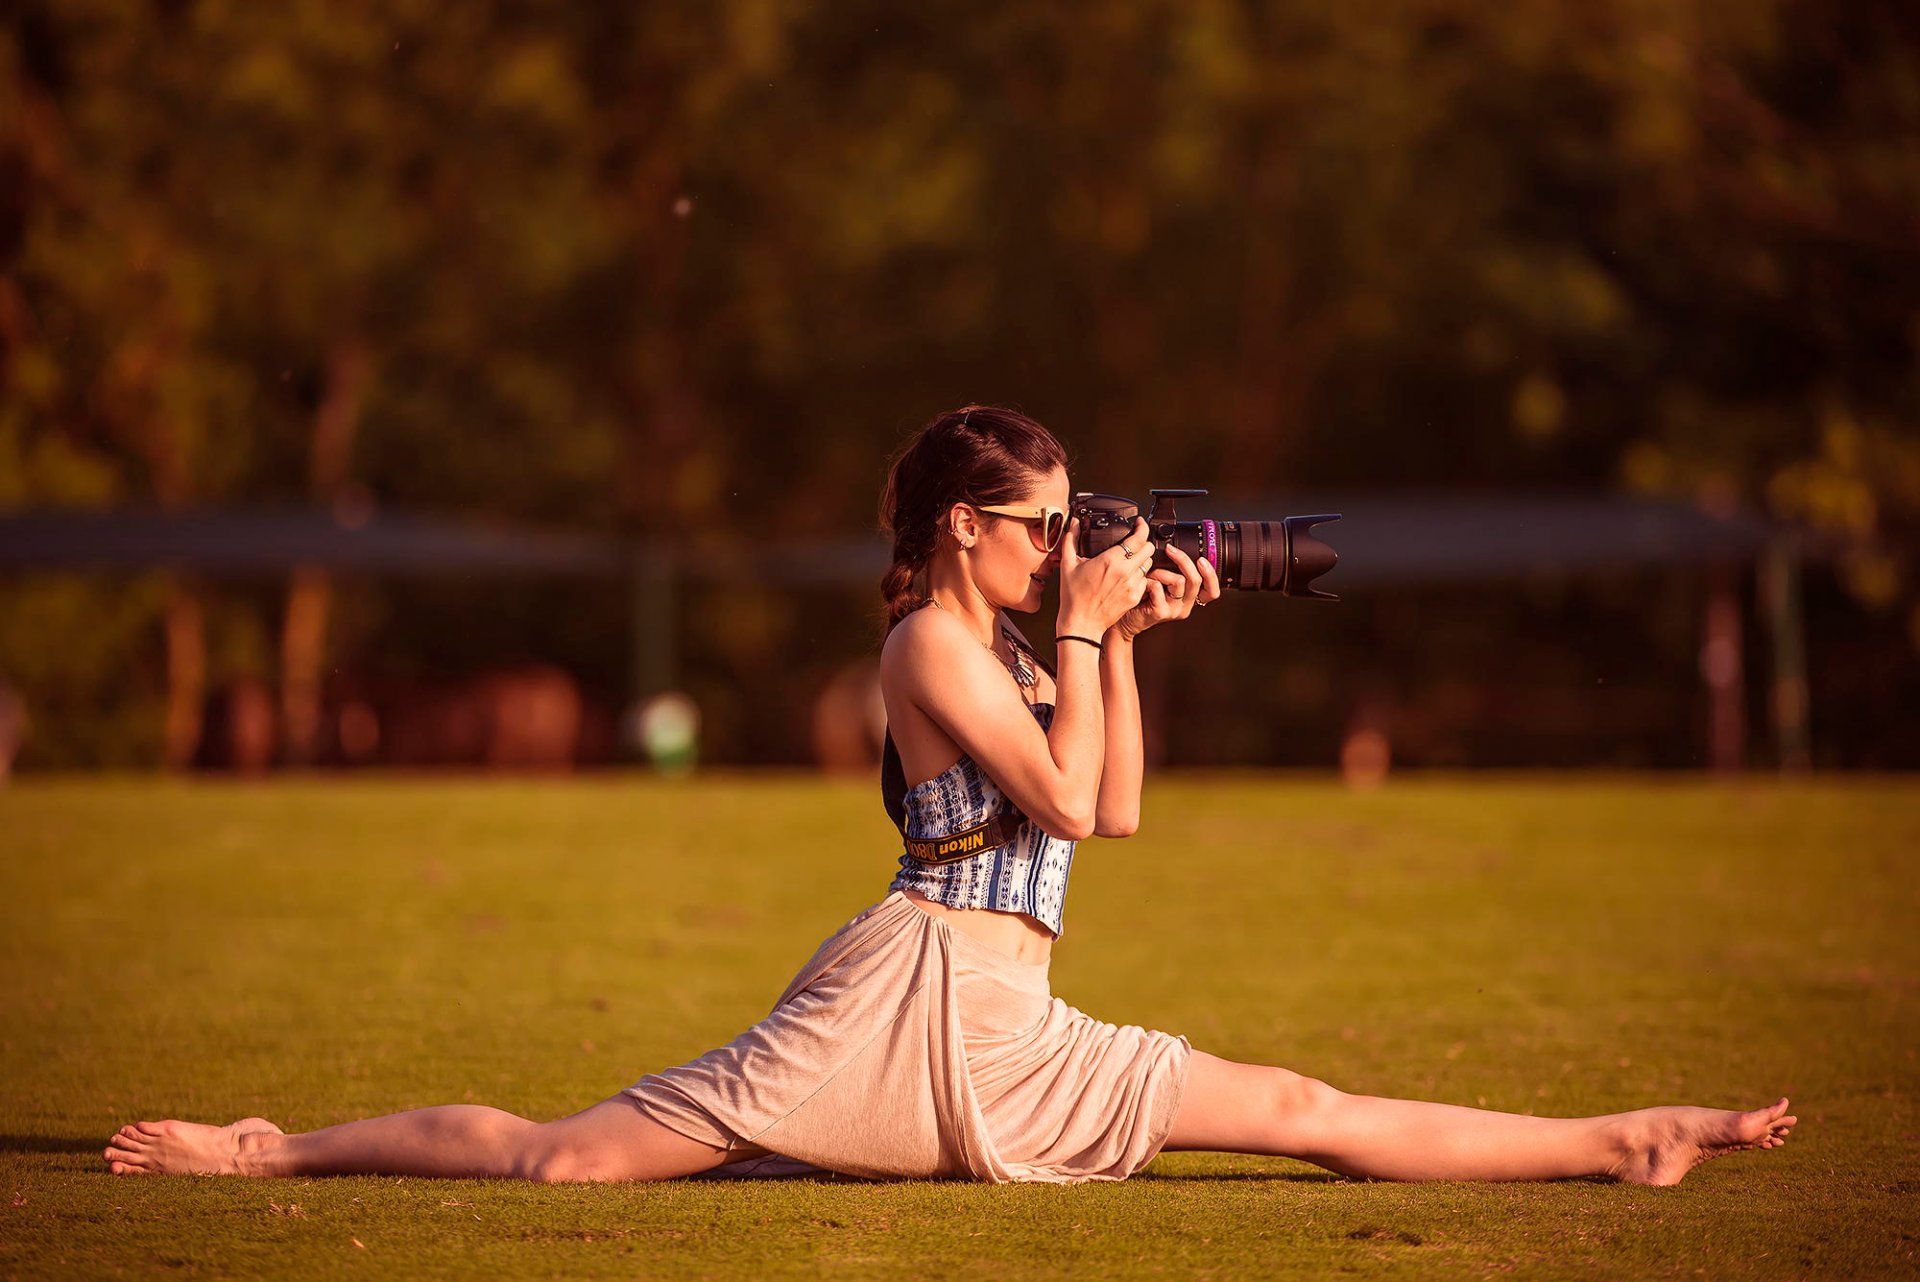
x=317, y=951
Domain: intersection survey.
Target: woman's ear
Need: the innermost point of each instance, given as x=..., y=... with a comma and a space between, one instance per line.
x=963, y=524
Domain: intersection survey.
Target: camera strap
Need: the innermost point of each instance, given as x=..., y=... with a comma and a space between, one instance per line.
x=953, y=847
x=997, y=831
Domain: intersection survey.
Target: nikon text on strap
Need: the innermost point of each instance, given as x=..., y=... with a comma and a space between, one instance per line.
x=997, y=831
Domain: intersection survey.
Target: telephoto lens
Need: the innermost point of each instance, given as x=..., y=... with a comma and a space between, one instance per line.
x=1268, y=556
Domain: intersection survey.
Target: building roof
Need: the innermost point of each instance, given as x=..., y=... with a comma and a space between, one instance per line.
x=1452, y=537
x=271, y=540
x=1380, y=538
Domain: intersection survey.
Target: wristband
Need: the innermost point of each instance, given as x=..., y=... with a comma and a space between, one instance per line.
x=1083, y=640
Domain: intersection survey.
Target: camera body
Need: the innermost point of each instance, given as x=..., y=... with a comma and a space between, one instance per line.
x=1273, y=556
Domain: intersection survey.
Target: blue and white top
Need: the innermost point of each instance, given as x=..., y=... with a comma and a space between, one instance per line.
x=1025, y=875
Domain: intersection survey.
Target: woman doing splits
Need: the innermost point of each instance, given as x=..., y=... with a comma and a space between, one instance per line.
x=921, y=1040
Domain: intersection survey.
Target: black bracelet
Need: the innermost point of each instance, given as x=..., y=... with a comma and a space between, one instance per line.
x=1086, y=640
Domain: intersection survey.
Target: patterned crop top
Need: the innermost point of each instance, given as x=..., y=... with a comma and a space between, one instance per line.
x=1027, y=874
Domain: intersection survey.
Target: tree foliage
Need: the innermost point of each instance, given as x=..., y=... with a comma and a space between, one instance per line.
x=693, y=269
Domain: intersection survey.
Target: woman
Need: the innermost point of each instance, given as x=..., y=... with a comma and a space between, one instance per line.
x=921, y=1039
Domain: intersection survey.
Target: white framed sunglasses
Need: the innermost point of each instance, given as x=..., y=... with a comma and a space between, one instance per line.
x=1052, y=522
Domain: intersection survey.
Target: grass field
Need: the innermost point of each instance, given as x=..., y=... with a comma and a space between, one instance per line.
x=318, y=951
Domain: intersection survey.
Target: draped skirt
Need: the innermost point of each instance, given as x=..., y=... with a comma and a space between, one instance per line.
x=905, y=1049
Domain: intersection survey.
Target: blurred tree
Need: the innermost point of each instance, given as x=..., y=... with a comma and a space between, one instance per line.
x=110, y=306
x=691, y=270
x=247, y=212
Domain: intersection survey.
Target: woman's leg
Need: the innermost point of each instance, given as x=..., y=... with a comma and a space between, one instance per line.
x=1253, y=1108
x=612, y=1140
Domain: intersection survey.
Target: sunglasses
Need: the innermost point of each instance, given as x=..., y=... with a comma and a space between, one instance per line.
x=1053, y=522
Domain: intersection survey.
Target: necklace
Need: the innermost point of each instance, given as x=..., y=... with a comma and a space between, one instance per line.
x=1019, y=667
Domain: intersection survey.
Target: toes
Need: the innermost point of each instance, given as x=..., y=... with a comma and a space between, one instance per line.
x=121, y=1162
x=1760, y=1123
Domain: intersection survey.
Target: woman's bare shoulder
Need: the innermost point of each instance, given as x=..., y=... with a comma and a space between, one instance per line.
x=921, y=642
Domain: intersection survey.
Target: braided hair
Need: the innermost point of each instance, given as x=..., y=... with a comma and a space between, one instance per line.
x=977, y=454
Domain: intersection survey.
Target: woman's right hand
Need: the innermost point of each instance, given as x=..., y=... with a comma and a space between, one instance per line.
x=1096, y=591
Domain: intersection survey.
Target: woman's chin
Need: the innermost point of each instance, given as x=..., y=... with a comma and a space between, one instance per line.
x=1031, y=601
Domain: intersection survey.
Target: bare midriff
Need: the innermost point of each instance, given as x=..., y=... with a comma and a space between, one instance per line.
x=1014, y=934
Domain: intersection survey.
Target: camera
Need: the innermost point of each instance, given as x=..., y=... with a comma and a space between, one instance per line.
x=1271, y=556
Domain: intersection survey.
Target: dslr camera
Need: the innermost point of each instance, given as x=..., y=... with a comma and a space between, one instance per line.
x=1269, y=556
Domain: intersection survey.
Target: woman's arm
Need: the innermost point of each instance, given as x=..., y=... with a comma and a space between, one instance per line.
x=1117, y=809
x=1117, y=812
x=931, y=661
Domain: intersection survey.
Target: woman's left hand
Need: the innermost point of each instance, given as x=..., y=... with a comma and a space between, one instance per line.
x=1171, y=594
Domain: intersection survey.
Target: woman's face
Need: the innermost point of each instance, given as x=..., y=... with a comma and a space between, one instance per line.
x=1009, y=563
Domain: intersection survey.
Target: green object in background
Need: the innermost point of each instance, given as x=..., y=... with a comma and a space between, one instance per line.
x=319, y=950
x=667, y=730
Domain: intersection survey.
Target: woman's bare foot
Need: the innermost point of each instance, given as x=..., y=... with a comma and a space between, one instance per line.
x=183, y=1148
x=1665, y=1143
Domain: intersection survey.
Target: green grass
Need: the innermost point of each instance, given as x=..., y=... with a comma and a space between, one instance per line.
x=318, y=951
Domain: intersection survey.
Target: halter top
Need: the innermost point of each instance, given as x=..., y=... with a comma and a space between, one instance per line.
x=1027, y=874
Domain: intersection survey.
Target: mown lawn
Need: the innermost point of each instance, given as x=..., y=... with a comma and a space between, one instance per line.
x=318, y=951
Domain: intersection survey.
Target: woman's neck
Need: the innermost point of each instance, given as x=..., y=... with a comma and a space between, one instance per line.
x=953, y=591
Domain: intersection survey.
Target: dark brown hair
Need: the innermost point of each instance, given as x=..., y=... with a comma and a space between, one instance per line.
x=977, y=454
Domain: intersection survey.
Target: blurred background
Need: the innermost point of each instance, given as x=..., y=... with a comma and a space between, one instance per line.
x=511, y=385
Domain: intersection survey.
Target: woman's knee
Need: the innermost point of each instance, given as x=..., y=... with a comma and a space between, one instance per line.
x=613, y=1141
x=1249, y=1108
x=542, y=1166
x=1297, y=1098
x=551, y=1155
x=1306, y=1116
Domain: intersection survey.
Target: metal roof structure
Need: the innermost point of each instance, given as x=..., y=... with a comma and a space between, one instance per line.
x=1381, y=539
x=1447, y=537
x=267, y=540
x=1453, y=536
x=1385, y=539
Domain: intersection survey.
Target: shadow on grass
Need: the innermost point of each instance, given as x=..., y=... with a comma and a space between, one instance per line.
x=1329, y=1177
x=92, y=1147
x=1268, y=1177
x=52, y=1144
x=1265, y=1177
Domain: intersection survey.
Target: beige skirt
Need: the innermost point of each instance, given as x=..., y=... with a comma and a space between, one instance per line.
x=905, y=1049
